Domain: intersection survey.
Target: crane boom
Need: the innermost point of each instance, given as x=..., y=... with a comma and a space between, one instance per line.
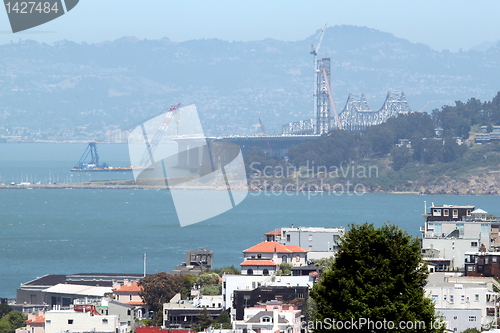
x=314, y=52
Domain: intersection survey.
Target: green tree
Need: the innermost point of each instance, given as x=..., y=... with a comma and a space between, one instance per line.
x=378, y=275
x=158, y=289
x=231, y=270
x=209, y=278
x=471, y=330
x=4, y=309
x=285, y=269
x=11, y=321
x=204, y=320
x=225, y=320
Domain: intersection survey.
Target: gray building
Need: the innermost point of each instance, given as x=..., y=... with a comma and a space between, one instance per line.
x=319, y=241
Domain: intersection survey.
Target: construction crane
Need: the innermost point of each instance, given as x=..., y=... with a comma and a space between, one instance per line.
x=423, y=107
x=265, y=135
x=314, y=52
x=151, y=146
x=83, y=164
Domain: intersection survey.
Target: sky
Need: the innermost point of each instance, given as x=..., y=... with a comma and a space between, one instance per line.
x=441, y=24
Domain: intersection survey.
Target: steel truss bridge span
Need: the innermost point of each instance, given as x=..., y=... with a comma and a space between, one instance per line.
x=356, y=115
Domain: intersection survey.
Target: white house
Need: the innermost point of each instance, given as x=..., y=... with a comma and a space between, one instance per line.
x=464, y=302
x=61, y=321
x=264, y=258
x=270, y=318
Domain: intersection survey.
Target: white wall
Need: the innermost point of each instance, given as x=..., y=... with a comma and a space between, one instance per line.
x=58, y=321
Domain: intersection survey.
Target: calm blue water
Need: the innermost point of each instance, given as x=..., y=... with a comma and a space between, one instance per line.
x=72, y=231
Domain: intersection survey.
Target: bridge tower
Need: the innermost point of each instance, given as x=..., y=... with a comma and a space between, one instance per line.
x=323, y=107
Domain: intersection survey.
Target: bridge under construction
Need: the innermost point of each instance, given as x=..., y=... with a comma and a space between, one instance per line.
x=355, y=116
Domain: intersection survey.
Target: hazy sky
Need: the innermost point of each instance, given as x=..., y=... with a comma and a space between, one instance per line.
x=442, y=24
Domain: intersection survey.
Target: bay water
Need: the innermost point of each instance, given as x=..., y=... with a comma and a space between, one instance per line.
x=66, y=231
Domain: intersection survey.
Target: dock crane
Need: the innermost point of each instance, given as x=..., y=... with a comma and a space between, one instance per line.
x=94, y=159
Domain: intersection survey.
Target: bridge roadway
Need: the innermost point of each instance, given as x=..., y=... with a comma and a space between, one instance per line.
x=191, y=154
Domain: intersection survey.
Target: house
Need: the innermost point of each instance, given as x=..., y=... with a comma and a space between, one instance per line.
x=81, y=319
x=464, y=302
x=450, y=231
x=320, y=242
x=128, y=293
x=265, y=257
x=230, y=283
x=184, y=313
x=485, y=264
x=291, y=295
x=270, y=317
x=35, y=323
x=34, y=293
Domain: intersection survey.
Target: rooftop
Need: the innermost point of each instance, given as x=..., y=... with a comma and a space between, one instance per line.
x=271, y=247
x=132, y=287
x=251, y=262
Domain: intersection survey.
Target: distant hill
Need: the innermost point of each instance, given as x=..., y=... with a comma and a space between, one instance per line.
x=79, y=90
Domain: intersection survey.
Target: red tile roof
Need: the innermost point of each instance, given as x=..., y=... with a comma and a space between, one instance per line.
x=251, y=262
x=271, y=247
x=274, y=232
x=133, y=287
x=37, y=320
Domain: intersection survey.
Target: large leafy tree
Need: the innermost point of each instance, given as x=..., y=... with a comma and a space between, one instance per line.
x=378, y=275
x=160, y=288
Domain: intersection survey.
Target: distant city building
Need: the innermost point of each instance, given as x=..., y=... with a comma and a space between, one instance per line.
x=196, y=262
x=464, y=302
x=451, y=231
x=484, y=136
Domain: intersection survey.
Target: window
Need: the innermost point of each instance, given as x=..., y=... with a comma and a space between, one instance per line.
x=476, y=297
x=460, y=227
x=105, y=321
x=129, y=312
x=462, y=298
x=472, y=318
x=446, y=212
x=494, y=259
x=435, y=298
x=469, y=268
x=455, y=213
x=47, y=321
x=265, y=272
x=249, y=271
x=266, y=319
x=436, y=212
x=310, y=247
x=310, y=237
x=451, y=298
x=284, y=259
x=485, y=230
x=468, y=212
x=444, y=297
x=70, y=321
x=438, y=228
x=117, y=297
x=259, y=256
x=287, y=238
x=130, y=297
x=473, y=244
x=486, y=260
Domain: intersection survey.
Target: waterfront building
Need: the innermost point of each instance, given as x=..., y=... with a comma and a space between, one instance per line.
x=485, y=264
x=320, y=242
x=196, y=262
x=265, y=258
x=450, y=231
